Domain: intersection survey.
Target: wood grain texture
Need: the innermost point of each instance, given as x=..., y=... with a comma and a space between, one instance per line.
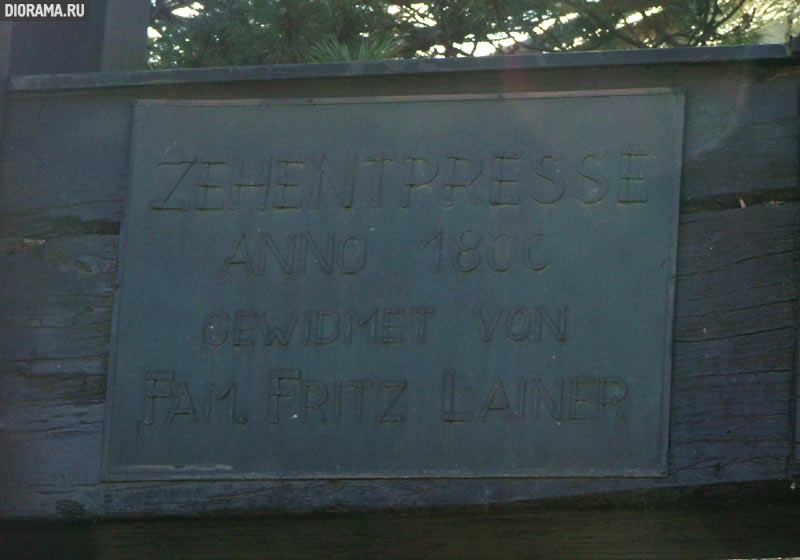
x=730, y=417
x=735, y=329
x=687, y=524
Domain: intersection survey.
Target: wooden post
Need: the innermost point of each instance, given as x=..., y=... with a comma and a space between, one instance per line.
x=114, y=37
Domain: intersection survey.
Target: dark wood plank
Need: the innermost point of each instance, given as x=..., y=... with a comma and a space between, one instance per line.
x=731, y=392
x=79, y=218
x=739, y=521
x=735, y=316
x=81, y=146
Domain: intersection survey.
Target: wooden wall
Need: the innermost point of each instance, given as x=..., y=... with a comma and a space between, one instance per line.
x=63, y=178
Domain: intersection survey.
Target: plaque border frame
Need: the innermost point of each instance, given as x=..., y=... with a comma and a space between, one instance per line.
x=165, y=473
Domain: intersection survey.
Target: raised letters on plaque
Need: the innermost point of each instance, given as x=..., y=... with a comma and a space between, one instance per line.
x=460, y=286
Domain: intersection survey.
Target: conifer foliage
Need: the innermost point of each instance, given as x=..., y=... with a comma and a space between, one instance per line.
x=189, y=33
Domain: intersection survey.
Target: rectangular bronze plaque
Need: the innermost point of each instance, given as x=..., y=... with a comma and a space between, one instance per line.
x=460, y=286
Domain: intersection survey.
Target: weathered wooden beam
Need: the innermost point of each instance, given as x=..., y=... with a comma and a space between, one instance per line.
x=731, y=405
x=734, y=388
x=750, y=520
x=113, y=36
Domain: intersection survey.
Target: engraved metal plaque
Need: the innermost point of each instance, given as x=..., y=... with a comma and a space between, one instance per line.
x=461, y=286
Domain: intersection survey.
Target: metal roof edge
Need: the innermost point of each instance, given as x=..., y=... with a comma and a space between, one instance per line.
x=682, y=55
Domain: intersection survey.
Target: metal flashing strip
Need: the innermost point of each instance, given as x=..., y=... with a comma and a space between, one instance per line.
x=685, y=55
